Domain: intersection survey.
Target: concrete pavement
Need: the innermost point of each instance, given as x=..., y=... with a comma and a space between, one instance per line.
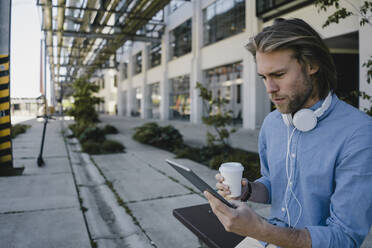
x=114, y=200
x=41, y=208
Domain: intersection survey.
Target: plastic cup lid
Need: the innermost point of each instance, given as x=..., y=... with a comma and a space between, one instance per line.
x=231, y=167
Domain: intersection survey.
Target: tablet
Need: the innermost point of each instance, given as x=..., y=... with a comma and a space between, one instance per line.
x=197, y=181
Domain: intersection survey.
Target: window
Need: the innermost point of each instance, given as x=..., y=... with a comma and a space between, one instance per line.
x=225, y=81
x=180, y=98
x=115, y=81
x=136, y=111
x=155, y=54
x=224, y=73
x=269, y=9
x=138, y=63
x=223, y=19
x=180, y=40
x=124, y=74
x=155, y=98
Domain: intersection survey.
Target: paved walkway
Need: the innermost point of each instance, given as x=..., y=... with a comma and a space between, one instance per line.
x=41, y=208
x=116, y=200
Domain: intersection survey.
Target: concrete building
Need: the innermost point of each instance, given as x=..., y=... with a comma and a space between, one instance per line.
x=108, y=91
x=27, y=106
x=203, y=41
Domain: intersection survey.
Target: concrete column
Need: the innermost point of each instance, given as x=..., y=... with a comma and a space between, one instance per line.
x=196, y=73
x=365, y=53
x=6, y=157
x=130, y=91
x=255, y=102
x=164, y=82
x=120, y=96
x=145, y=103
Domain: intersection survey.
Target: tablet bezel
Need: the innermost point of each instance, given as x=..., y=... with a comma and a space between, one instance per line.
x=197, y=181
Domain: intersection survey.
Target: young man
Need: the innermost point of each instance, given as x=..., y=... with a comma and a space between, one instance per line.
x=315, y=151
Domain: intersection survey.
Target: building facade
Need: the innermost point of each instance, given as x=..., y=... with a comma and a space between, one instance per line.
x=203, y=41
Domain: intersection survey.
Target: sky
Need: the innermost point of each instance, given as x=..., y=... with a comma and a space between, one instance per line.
x=25, y=49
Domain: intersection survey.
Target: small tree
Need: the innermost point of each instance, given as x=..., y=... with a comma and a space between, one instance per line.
x=365, y=14
x=83, y=109
x=218, y=117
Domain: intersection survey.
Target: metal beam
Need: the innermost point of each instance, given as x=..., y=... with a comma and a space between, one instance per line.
x=91, y=65
x=81, y=8
x=90, y=35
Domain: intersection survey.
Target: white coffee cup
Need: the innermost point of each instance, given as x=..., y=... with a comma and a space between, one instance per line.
x=232, y=172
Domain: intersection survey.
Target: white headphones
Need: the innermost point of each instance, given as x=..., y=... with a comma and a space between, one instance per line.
x=306, y=119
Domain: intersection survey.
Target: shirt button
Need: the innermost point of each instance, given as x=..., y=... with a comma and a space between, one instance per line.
x=290, y=183
x=283, y=209
x=293, y=155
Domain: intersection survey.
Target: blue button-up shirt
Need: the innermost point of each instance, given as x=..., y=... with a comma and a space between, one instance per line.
x=330, y=190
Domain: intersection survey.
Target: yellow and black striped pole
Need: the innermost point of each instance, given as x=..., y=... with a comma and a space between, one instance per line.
x=6, y=160
x=5, y=141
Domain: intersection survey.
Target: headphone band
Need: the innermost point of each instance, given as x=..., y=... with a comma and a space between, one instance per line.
x=306, y=119
x=325, y=105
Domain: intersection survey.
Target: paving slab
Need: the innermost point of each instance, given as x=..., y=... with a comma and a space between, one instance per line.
x=119, y=161
x=50, y=150
x=28, y=193
x=156, y=218
x=156, y=159
x=50, y=228
x=52, y=165
x=137, y=181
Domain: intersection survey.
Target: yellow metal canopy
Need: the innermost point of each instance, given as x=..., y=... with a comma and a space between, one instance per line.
x=85, y=35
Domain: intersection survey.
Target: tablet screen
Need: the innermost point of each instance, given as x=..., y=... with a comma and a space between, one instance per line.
x=197, y=181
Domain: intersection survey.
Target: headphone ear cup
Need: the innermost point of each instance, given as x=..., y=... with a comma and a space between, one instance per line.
x=305, y=120
x=287, y=118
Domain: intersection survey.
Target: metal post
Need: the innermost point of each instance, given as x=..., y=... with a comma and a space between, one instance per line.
x=40, y=161
x=6, y=158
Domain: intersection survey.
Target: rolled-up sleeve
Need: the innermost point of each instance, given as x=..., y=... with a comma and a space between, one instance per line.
x=351, y=203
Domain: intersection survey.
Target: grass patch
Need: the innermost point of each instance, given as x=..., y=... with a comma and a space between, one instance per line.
x=166, y=138
x=109, y=129
x=18, y=129
x=112, y=146
x=93, y=139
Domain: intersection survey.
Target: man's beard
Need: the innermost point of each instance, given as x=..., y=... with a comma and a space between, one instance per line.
x=298, y=100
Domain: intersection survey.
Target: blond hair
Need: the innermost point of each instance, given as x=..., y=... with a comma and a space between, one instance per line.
x=307, y=46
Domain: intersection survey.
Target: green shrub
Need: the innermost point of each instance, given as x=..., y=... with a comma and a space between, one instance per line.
x=83, y=109
x=190, y=153
x=219, y=119
x=92, y=133
x=77, y=129
x=214, y=156
x=18, y=129
x=167, y=138
x=109, y=129
x=91, y=147
x=112, y=146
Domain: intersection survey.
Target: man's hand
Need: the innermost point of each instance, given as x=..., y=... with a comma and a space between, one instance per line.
x=224, y=190
x=245, y=222
x=242, y=220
